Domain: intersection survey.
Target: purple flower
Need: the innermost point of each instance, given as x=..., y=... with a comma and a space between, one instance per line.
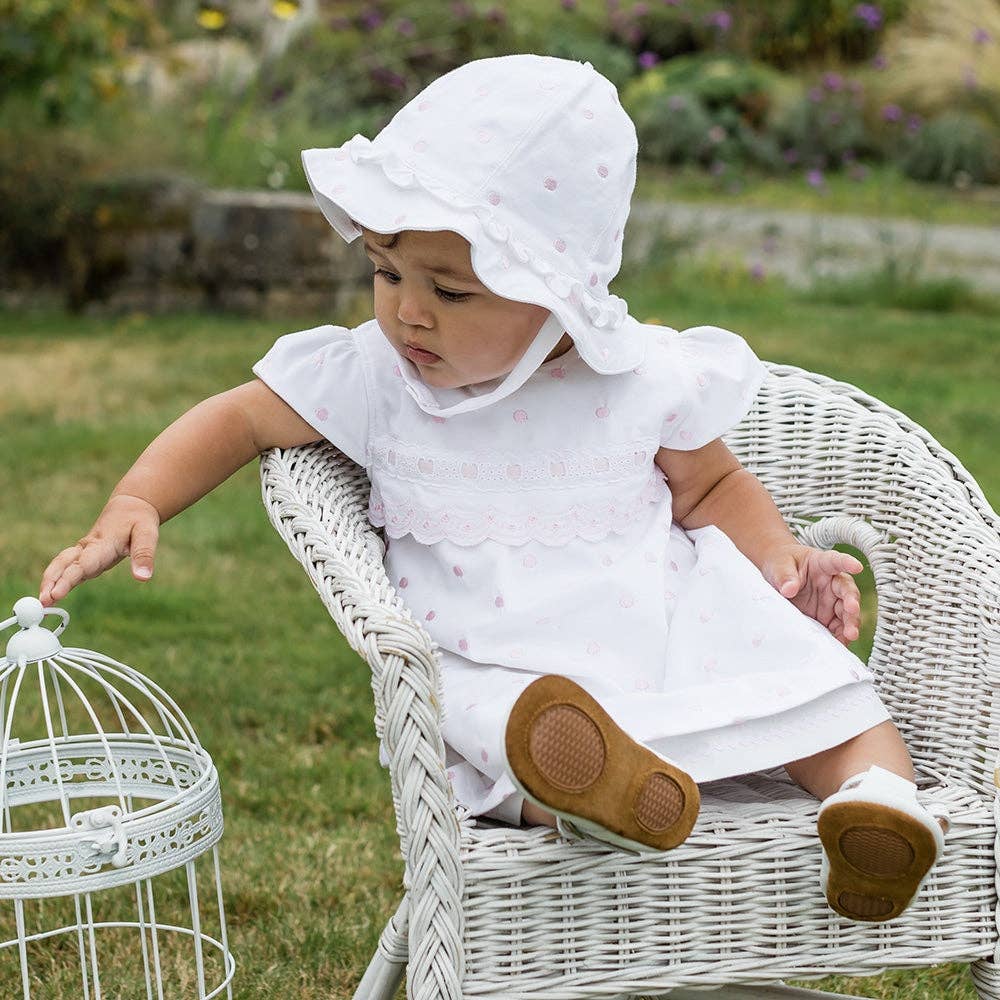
x=969, y=78
x=461, y=11
x=757, y=271
x=769, y=243
x=406, y=27
x=717, y=168
x=720, y=19
x=913, y=124
x=880, y=61
x=892, y=113
x=815, y=95
x=834, y=118
x=870, y=13
x=791, y=155
x=716, y=134
x=639, y=9
x=371, y=19
x=815, y=178
x=981, y=36
x=648, y=59
x=389, y=77
x=833, y=81
x=495, y=15
x=848, y=156
x=569, y=4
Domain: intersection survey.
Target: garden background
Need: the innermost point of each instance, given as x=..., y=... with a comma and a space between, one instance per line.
x=824, y=107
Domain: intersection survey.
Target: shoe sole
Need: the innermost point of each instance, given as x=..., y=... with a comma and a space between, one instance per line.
x=568, y=756
x=878, y=857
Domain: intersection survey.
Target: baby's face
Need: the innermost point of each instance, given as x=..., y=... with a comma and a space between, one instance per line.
x=428, y=296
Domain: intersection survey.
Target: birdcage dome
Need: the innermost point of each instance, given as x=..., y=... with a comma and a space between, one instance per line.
x=104, y=784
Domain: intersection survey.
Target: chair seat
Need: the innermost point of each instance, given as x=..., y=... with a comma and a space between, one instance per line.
x=546, y=915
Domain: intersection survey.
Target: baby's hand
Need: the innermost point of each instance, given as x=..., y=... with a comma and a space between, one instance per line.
x=127, y=526
x=819, y=583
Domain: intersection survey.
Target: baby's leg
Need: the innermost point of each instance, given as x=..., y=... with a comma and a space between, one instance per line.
x=532, y=815
x=823, y=773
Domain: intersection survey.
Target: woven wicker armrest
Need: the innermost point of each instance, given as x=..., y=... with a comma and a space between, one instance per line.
x=316, y=499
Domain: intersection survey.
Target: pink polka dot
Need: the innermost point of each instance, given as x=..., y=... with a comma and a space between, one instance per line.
x=423, y=105
x=559, y=372
x=322, y=413
x=341, y=154
x=671, y=417
x=482, y=90
x=457, y=570
x=673, y=566
x=420, y=145
x=403, y=583
x=626, y=600
x=602, y=412
x=557, y=468
x=593, y=648
x=485, y=756
x=484, y=135
x=430, y=616
x=514, y=471
x=685, y=435
x=493, y=198
x=469, y=471
x=463, y=645
x=606, y=560
x=520, y=416
x=618, y=234
x=498, y=601
x=551, y=183
x=529, y=562
x=560, y=245
x=639, y=371
x=588, y=114
x=594, y=280
x=426, y=465
x=399, y=218
x=438, y=420
x=602, y=170
x=396, y=371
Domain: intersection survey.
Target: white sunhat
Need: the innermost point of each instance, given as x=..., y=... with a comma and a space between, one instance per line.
x=530, y=158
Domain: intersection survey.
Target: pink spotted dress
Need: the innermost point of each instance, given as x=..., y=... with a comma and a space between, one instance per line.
x=535, y=536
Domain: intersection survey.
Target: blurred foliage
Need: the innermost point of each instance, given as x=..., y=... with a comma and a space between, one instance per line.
x=69, y=55
x=954, y=148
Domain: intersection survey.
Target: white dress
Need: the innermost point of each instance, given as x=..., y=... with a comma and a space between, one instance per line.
x=535, y=536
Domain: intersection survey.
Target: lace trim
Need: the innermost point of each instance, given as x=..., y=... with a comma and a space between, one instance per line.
x=547, y=470
x=608, y=313
x=593, y=521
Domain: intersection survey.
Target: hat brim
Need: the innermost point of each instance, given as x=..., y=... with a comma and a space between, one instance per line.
x=364, y=192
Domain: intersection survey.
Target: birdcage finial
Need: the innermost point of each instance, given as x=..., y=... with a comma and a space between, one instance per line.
x=33, y=642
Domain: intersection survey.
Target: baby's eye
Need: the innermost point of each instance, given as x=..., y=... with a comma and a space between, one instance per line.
x=442, y=293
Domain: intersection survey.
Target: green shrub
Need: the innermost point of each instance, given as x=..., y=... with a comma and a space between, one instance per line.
x=953, y=144
x=824, y=128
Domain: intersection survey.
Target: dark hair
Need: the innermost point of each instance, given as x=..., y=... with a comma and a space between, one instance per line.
x=385, y=240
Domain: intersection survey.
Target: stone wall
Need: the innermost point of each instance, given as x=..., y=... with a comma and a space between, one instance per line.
x=165, y=244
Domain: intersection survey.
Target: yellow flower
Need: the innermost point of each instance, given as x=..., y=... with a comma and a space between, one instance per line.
x=285, y=9
x=211, y=16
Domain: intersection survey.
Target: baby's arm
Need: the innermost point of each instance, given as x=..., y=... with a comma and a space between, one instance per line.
x=709, y=486
x=197, y=452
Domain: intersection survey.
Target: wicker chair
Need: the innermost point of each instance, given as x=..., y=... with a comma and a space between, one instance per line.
x=496, y=911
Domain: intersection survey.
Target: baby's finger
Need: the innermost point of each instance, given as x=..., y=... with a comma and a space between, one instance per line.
x=54, y=571
x=833, y=561
x=142, y=548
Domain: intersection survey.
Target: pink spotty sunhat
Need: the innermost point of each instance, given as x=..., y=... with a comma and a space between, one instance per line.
x=532, y=159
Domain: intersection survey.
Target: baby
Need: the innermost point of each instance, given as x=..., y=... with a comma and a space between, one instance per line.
x=619, y=608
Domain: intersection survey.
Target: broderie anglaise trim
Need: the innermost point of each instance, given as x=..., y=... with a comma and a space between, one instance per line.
x=539, y=471
x=591, y=521
x=603, y=314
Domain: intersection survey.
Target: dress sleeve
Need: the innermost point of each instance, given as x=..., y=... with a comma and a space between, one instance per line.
x=320, y=373
x=717, y=376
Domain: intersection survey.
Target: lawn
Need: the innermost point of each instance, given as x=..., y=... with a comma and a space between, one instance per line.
x=231, y=627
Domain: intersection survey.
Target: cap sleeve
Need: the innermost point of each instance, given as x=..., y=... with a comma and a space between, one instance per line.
x=320, y=373
x=716, y=377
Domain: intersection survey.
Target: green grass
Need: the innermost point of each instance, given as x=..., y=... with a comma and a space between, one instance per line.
x=885, y=193
x=235, y=632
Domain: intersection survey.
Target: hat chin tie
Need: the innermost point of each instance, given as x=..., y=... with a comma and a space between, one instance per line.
x=440, y=402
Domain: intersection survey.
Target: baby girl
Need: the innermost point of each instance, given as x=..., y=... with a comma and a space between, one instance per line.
x=619, y=608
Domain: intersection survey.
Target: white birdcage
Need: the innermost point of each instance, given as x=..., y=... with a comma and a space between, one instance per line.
x=106, y=791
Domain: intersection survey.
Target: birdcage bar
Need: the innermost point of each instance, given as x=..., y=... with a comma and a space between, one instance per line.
x=136, y=744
